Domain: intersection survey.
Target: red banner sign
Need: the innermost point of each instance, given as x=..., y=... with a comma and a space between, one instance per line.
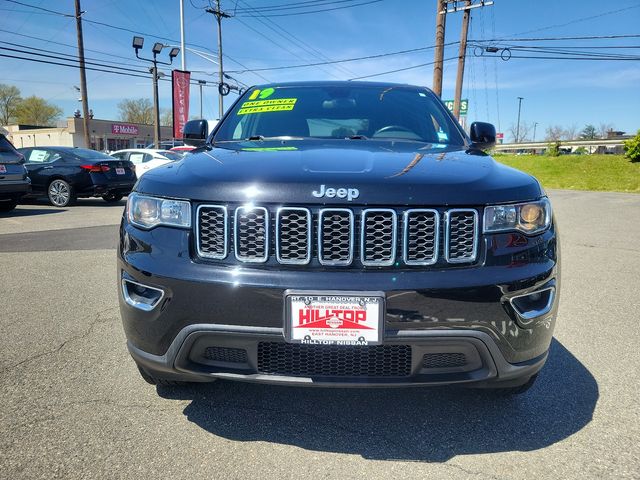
x=124, y=129
x=180, y=81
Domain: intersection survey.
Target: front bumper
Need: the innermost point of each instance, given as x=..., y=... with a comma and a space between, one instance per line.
x=431, y=311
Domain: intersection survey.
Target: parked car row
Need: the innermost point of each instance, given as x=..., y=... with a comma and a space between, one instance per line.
x=64, y=174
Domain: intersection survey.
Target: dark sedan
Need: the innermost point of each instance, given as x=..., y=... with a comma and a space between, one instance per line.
x=65, y=173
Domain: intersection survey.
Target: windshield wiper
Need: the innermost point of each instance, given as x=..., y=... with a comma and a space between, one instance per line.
x=259, y=138
x=358, y=137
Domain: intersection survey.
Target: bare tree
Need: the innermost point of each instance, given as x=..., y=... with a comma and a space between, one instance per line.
x=525, y=130
x=603, y=130
x=136, y=111
x=9, y=101
x=166, y=117
x=571, y=132
x=554, y=133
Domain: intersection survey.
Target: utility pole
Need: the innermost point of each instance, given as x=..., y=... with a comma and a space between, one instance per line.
x=518, y=124
x=462, y=53
x=83, y=76
x=219, y=14
x=441, y=20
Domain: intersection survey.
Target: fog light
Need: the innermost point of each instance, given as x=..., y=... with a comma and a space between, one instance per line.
x=534, y=304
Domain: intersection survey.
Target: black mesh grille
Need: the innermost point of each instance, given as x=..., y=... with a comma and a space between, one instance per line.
x=462, y=226
x=444, y=360
x=211, y=223
x=223, y=354
x=421, y=237
x=336, y=237
x=251, y=234
x=300, y=360
x=378, y=237
x=293, y=235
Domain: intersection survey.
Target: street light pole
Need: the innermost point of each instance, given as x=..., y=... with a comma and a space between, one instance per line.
x=156, y=106
x=535, y=124
x=518, y=126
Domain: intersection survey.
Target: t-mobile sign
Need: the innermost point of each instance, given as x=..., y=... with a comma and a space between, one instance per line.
x=123, y=129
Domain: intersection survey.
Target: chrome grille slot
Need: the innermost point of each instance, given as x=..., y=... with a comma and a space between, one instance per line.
x=251, y=234
x=212, y=231
x=378, y=237
x=335, y=236
x=421, y=236
x=293, y=236
x=461, y=235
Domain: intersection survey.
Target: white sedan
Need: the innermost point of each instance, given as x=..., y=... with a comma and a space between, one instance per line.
x=146, y=159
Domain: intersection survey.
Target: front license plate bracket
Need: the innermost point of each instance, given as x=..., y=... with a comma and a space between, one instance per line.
x=334, y=317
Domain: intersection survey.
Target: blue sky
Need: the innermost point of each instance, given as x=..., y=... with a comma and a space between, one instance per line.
x=555, y=92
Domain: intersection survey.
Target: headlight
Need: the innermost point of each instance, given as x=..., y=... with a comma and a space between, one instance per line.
x=148, y=212
x=529, y=218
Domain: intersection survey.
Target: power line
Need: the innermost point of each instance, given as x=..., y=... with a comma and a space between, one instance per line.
x=53, y=12
x=291, y=6
x=549, y=39
x=369, y=2
x=355, y=59
x=401, y=69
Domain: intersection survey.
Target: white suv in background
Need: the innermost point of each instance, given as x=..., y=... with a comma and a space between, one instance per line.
x=146, y=159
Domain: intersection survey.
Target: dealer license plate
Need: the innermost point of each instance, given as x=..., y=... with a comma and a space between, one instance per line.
x=334, y=318
x=119, y=171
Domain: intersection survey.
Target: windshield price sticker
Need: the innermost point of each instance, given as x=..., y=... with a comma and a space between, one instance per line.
x=275, y=105
x=335, y=320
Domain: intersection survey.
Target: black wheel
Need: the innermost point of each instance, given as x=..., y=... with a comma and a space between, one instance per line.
x=150, y=379
x=60, y=193
x=112, y=197
x=8, y=205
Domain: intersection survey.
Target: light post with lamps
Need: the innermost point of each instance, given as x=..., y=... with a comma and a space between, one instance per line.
x=201, y=83
x=137, y=44
x=518, y=127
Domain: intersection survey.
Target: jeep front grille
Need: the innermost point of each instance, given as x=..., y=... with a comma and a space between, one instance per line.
x=338, y=237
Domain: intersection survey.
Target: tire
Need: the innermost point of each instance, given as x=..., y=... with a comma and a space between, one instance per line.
x=8, y=205
x=112, y=197
x=60, y=193
x=162, y=382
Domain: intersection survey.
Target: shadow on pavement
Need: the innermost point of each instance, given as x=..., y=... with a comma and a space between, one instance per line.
x=30, y=212
x=417, y=424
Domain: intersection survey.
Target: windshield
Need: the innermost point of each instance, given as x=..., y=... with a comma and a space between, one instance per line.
x=340, y=112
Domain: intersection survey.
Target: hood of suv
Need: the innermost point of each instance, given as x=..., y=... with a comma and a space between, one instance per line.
x=312, y=172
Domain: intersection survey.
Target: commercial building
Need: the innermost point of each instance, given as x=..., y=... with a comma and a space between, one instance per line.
x=105, y=134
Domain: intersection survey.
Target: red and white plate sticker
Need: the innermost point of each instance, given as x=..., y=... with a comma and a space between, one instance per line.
x=334, y=319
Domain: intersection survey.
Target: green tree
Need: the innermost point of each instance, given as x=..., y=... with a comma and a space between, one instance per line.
x=9, y=101
x=589, y=132
x=37, y=111
x=136, y=111
x=632, y=148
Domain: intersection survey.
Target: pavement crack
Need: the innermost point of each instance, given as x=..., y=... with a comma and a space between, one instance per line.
x=96, y=321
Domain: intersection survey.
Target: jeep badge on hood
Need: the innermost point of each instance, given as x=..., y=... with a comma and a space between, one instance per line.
x=348, y=193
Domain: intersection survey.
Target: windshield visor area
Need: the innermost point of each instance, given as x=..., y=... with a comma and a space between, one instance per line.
x=398, y=113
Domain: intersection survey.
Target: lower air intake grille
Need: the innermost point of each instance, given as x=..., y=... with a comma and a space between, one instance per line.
x=298, y=360
x=444, y=360
x=223, y=354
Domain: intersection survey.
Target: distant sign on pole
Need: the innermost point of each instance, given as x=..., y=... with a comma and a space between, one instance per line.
x=500, y=137
x=464, y=106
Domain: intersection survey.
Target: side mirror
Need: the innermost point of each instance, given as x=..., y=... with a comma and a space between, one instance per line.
x=195, y=132
x=483, y=135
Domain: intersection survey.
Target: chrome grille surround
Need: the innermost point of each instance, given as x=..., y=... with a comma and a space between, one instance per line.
x=344, y=253
x=284, y=242
x=461, y=235
x=203, y=246
x=373, y=237
x=248, y=221
x=327, y=236
x=421, y=242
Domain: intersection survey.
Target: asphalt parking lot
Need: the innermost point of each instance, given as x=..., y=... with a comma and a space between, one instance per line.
x=74, y=406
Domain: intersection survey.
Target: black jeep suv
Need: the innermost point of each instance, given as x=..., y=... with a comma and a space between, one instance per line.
x=14, y=182
x=339, y=233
